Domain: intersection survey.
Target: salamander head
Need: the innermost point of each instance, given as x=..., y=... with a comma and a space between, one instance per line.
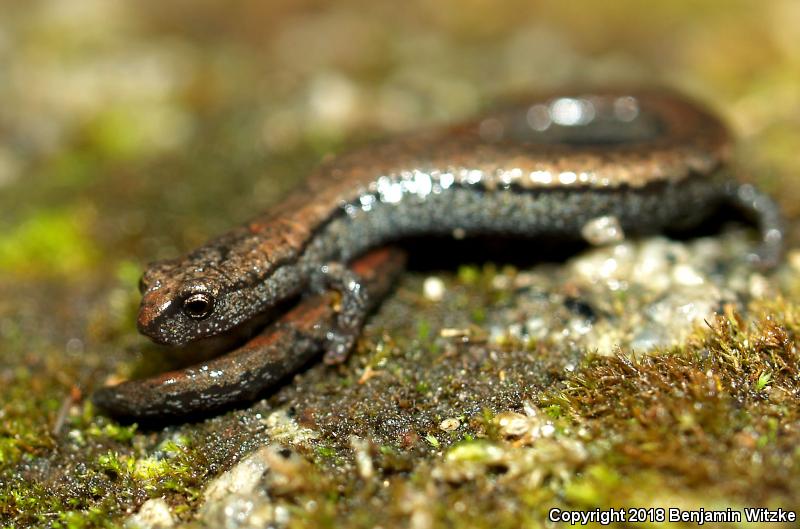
x=189, y=299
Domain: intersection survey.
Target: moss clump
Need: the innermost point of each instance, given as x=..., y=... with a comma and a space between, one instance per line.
x=716, y=414
x=24, y=430
x=99, y=470
x=52, y=243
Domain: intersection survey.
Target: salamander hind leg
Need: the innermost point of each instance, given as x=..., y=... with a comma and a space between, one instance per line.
x=353, y=308
x=767, y=216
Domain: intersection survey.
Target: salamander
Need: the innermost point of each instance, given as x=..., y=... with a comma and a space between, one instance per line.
x=648, y=159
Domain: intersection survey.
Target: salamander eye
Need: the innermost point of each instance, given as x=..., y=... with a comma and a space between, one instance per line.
x=198, y=306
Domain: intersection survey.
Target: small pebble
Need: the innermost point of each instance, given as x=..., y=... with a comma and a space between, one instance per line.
x=153, y=514
x=687, y=276
x=759, y=286
x=433, y=289
x=793, y=258
x=603, y=230
x=449, y=425
x=512, y=424
x=363, y=459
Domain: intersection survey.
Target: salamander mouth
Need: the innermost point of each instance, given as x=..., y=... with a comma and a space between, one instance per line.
x=164, y=323
x=213, y=345
x=151, y=327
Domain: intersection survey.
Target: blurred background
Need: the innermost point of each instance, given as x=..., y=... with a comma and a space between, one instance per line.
x=128, y=130
x=132, y=131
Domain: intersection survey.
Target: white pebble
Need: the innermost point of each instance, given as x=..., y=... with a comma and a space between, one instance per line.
x=759, y=286
x=153, y=513
x=687, y=276
x=433, y=289
x=448, y=425
x=603, y=230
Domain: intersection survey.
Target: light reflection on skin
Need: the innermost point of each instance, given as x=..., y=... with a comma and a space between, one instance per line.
x=575, y=112
x=570, y=112
x=562, y=111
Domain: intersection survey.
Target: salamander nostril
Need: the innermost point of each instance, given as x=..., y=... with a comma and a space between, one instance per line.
x=198, y=306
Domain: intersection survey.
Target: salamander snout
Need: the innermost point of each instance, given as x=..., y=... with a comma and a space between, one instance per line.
x=154, y=312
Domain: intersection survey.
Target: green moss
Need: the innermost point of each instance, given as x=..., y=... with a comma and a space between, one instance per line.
x=595, y=487
x=109, y=477
x=27, y=415
x=478, y=452
x=125, y=132
x=49, y=243
x=423, y=330
x=687, y=411
x=111, y=464
x=478, y=315
x=554, y=411
x=469, y=274
x=325, y=451
x=128, y=274
x=114, y=431
x=763, y=380
x=73, y=168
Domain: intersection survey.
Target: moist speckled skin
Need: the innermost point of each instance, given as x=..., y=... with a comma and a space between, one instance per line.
x=548, y=166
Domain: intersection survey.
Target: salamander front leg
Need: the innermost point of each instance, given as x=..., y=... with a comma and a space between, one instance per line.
x=766, y=214
x=353, y=307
